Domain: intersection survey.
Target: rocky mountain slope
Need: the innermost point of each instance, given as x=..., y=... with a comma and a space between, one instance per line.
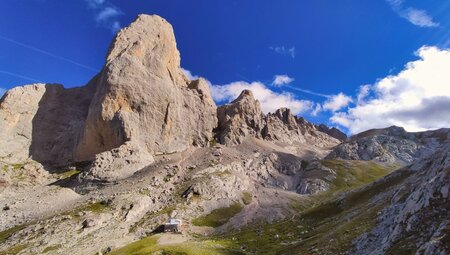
x=97, y=169
x=244, y=118
x=390, y=145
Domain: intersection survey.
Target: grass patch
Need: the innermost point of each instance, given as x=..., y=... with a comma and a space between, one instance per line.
x=218, y=217
x=97, y=207
x=149, y=245
x=247, y=197
x=52, y=248
x=70, y=173
x=17, y=166
x=16, y=249
x=355, y=174
x=213, y=142
x=223, y=174
x=4, y=235
x=145, y=192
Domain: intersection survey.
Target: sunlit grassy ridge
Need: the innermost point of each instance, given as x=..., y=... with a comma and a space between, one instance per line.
x=149, y=245
x=354, y=174
x=218, y=217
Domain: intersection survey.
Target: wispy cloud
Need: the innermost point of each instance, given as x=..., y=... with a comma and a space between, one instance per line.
x=280, y=80
x=316, y=110
x=307, y=91
x=95, y=3
x=27, y=46
x=106, y=14
x=19, y=76
x=414, y=16
x=283, y=50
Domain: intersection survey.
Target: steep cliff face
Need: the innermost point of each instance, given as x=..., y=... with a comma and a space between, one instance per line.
x=143, y=96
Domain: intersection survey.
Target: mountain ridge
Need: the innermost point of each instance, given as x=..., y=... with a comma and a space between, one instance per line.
x=98, y=169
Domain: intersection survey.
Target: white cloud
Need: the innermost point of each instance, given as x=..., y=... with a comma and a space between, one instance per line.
x=316, y=110
x=418, y=17
x=2, y=91
x=189, y=74
x=395, y=3
x=417, y=98
x=280, y=80
x=95, y=3
x=106, y=14
x=363, y=92
x=414, y=16
x=270, y=100
x=342, y=119
x=282, y=50
x=337, y=102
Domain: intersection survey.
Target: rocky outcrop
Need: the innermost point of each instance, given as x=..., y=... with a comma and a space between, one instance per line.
x=384, y=149
x=118, y=163
x=144, y=97
x=141, y=97
x=333, y=132
x=243, y=118
x=389, y=145
x=239, y=119
x=283, y=126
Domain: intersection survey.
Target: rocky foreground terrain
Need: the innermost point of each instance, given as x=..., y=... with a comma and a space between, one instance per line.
x=98, y=169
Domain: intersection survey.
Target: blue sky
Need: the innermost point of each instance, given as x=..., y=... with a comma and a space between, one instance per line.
x=330, y=48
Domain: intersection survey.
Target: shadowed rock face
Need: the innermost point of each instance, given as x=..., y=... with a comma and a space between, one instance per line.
x=141, y=98
x=42, y=121
x=334, y=132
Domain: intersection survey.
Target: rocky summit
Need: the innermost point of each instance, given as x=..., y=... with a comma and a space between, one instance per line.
x=100, y=169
